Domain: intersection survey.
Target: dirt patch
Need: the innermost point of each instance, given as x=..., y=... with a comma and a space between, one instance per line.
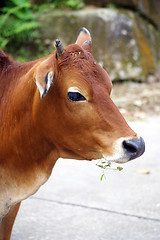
x=137, y=101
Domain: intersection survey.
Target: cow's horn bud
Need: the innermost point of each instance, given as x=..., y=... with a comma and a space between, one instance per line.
x=60, y=48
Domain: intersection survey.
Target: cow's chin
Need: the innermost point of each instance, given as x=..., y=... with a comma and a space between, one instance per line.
x=116, y=159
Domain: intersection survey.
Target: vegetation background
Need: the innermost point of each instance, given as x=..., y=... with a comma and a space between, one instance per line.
x=19, y=33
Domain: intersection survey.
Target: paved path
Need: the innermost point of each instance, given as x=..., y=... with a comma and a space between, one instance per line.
x=75, y=205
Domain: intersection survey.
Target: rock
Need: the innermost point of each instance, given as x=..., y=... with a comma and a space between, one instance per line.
x=123, y=43
x=148, y=8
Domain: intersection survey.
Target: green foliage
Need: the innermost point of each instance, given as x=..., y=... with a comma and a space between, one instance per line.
x=112, y=5
x=103, y=164
x=72, y=4
x=102, y=177
x=17, y=25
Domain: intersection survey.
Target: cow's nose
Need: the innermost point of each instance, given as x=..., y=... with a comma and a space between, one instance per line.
x=134, y=147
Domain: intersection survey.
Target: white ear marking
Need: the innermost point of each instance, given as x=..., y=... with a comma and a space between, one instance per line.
x=41, y=89
x=48, y=82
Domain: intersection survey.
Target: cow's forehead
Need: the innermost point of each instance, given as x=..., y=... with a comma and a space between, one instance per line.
x=79, y=65
x=79, y=62
x=74, y=48
x=72, y=54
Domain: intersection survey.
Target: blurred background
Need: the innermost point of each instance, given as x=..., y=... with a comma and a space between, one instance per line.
x=74, y=204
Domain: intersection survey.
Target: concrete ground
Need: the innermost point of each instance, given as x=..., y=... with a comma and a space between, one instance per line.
x=75, y=205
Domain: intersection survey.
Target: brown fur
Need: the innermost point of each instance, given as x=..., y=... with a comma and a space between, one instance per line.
x=36, y=132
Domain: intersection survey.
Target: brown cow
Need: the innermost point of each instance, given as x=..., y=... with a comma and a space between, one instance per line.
x=57, y=106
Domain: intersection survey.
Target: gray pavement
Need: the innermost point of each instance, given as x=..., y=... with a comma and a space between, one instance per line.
x=75, y=205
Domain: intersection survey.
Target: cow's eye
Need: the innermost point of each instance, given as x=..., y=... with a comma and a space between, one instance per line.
x=76, y=96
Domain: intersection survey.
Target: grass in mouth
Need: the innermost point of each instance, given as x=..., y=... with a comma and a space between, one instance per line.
x=106, y=165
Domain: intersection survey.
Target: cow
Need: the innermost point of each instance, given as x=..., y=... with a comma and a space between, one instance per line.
x=56, y=106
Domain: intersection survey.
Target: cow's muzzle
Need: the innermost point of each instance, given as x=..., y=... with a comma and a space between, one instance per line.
x=134, y=147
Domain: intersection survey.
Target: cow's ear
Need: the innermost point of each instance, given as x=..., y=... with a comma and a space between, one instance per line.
x=44, y=77
x=84, y=39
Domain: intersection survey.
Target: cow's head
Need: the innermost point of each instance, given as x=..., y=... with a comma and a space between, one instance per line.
x=76, y=112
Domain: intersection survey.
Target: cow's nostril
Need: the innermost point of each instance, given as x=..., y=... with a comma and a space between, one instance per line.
x=129, y=147
x=134, y=148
